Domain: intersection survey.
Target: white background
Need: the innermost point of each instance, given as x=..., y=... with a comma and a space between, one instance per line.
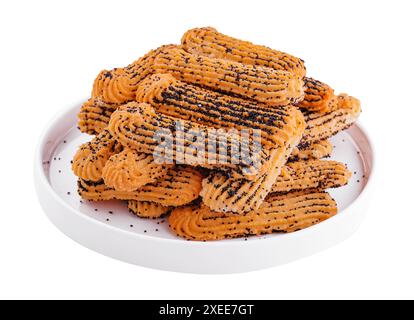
x=50, y=54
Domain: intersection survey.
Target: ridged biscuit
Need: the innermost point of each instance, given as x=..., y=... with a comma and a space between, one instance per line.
x=224, y=193
x=322, y=126
x=179, y=187
x=314, y=174
x=317, y=150
x=94, y=115
x=266, y=85
x=130, y=170
x=141, y=68
x=278, y=214
x=345, y=101
x=119, y=85
x=92, y=156
x=319, y=97
x=148, y=210
x=214, y=109
x=208, y=41
x=114, y=86
x=139, y=127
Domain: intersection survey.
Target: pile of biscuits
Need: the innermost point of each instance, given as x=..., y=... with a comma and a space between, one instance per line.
x=216, y=86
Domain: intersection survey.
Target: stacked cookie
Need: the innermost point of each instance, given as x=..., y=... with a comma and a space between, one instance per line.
x=168, y=126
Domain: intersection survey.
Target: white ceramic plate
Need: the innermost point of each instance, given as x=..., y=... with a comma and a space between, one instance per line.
x=110, y=229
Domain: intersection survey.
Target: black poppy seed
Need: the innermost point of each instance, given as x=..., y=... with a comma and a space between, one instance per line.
x=96, y=210
x=68, y=193
x=131, y=226
x=107, y=219
x=110, y=212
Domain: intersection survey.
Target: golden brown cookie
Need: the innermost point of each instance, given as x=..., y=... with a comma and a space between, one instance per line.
x=313, y=174
x=119, y=85
x=141, y=68
x=317, y=150
x=265, y=85
x=148, y=210
x=225, y=193
x=130, y=170
x=179, y=187
x=319, y=97
x=94, y=115
x=214, y=109
x=278, y=214
x=114, y=86
x=345, y=101
x=322, y=126
x=92, y=156
x=139, y=127
x=209, y=42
